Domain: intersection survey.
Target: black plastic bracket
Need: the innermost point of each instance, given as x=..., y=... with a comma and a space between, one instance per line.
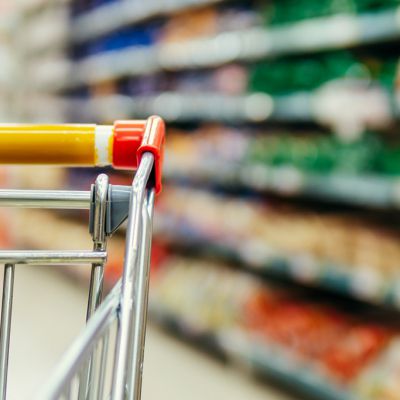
x=117, y=211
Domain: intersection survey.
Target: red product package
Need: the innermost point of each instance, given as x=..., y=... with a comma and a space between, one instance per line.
x=316, y=333
x=354, y=350
x=306, y=329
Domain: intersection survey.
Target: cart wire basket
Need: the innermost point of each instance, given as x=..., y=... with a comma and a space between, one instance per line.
x=106, y=360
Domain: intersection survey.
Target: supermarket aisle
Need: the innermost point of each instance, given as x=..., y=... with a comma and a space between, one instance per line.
x=49, y=312
x=174, y=371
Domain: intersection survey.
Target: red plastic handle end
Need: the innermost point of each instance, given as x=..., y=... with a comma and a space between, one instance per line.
x=127, y=139
x=132, y=139
x=153, y=142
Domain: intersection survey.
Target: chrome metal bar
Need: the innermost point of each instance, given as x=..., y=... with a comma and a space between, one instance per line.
x=51, y=257
x=45, y=199
x=83, y=345
x=67, y=392
x=6, y=314
x=84, y=381
x=133, y=245
x=96, y=289
x=103, y=365
x=83, y=378
x=99, y=242
x=97, y=276
x=139, y=313
x=95, y=370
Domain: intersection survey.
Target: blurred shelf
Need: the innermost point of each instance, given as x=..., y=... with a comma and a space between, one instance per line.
x=46, y=32
x=340, y=31
x=358, y=282
x=361, y=283
x=273, y=362
x=9, y=22
x=359, y=190
x=45, y=73
x=254, y=107
x=32, y=7
x=108, y=18
x=172, y=106
x=35, y=49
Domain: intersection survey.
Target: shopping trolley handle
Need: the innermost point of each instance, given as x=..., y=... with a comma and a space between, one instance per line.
x=129, y=147
x=121, y=145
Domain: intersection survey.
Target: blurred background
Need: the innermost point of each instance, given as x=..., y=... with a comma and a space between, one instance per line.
x=275, y=270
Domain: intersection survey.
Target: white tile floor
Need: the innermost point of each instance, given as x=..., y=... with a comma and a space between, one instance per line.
x=49, y=311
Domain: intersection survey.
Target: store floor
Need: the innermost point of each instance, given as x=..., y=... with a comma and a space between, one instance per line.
x=49, y=312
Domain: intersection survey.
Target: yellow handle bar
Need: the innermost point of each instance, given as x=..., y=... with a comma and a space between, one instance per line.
x=120, y=145
x=72, y=145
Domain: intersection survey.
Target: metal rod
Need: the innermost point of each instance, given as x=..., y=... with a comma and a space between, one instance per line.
x=67, y=391
x=100, y=195
x=139, y=314
x=52, y=257
x=45, y=199
x=103, y=362
x=94, y=372
x=83, y=381
x=95, y=289
x=6, y=314
x=99, y=242
x=95, y=294
x=83, y=345
x=133, y=245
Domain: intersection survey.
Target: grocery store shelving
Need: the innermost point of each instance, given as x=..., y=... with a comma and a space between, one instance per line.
x=358, y=190
x=34, y=6
x=334, y=32
x=273, y=330
x=45, y=32
x=258, y=359
x=339, y=31
x=117, y=15
x=41, y=43
x=173, y=106
x=211, y=106
x=361, y=283
x=9, y=60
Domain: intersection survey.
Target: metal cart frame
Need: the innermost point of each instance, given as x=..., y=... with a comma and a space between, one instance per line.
x=83, y=371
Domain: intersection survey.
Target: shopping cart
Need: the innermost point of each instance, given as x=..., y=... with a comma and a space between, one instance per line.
x=93, y=368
